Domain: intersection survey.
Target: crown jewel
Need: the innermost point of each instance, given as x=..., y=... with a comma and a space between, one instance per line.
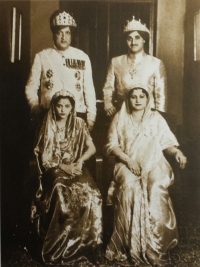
x=64, y=19
x=135, y=25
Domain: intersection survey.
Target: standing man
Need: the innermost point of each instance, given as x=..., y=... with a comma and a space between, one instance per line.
x=62, y=67
x=136, y=68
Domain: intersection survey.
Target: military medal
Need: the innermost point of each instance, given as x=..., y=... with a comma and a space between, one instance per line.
x=78, y=75
x=78, y=87
x=49, y=83
x=75, y=64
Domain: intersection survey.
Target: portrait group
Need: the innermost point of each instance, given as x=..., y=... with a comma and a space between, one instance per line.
x=67, y=207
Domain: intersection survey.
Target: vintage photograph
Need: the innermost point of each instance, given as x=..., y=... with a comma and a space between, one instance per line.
x=100, y=133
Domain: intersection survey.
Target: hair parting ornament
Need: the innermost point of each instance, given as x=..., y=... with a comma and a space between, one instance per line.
x=139, y=86
x=63, y=92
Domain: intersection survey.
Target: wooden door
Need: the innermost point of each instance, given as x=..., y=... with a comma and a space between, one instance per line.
x=100, y=30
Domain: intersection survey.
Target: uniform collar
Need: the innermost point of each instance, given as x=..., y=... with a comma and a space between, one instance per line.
x=65, y=53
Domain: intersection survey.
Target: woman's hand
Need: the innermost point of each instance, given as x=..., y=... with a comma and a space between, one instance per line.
x=68, y=168
x=71, y=169
x=133, y=167
x=78, y=167
x=181, y=159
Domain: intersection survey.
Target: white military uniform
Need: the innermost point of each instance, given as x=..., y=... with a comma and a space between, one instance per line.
x=54, y=70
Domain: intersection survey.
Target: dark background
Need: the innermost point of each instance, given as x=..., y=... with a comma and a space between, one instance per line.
x=19, y=244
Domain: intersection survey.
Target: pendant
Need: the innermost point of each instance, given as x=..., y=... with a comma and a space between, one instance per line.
x=132, y=72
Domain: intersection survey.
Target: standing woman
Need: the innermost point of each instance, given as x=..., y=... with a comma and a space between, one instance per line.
x=135, y=67
x=68, y=206
x=145, y=226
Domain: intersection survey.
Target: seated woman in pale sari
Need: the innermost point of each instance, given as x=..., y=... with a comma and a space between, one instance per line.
x=144, y=222
x=68, y=205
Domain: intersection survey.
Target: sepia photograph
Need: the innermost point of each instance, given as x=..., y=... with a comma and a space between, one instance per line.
x=100, y=133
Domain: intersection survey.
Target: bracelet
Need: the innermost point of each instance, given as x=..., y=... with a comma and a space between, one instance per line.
x=123, y=156
x=174, y=151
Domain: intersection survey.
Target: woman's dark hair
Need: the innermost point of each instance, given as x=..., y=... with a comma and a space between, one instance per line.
x=72, y=101
x=136, y=88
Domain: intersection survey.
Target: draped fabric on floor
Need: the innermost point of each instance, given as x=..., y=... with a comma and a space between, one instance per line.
x=70, y=217
x=67, y=207
x=144, y=224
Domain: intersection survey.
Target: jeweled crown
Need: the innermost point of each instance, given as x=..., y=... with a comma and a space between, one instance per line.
x=135, y=25
x=64, y=19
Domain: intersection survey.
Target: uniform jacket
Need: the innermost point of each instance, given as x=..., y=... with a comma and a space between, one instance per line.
x=54, y=70
x=150, y=73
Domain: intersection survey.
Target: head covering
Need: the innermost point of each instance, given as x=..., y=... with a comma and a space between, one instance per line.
x=60, y=19
x=135, y=25
x=49, y=143
x=133, y=138
x=125, y=112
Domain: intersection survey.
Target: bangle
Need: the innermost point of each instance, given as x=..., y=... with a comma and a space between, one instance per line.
x=123, y=156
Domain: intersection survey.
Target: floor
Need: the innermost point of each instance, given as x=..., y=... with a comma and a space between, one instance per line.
x=20, y=247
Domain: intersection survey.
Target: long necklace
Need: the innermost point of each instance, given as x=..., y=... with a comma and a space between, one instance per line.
x=61, y=131
x=134, y=67
x=136, y=126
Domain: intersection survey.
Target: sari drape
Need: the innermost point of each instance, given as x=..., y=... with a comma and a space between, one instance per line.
x=144, y=221
x=67, y=209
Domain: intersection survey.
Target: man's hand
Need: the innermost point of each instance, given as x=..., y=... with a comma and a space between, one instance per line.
x=35, y=110
x=90, y=125
x=181, y=159
x=111, y=112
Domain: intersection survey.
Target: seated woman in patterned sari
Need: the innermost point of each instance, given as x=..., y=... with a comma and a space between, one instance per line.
x=144, y=222
x=68, y=205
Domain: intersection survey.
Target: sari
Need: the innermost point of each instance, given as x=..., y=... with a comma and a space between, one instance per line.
x=67, y=209
x=145, y=226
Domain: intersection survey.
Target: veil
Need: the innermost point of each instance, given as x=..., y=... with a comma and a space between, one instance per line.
x=48, y=147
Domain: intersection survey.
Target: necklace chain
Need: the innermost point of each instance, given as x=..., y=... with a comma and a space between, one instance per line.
x=60, y=129
x=136, y=126
x=134, y=67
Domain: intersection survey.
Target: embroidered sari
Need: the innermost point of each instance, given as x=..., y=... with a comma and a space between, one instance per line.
x=144, y=221
x=67, y=209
